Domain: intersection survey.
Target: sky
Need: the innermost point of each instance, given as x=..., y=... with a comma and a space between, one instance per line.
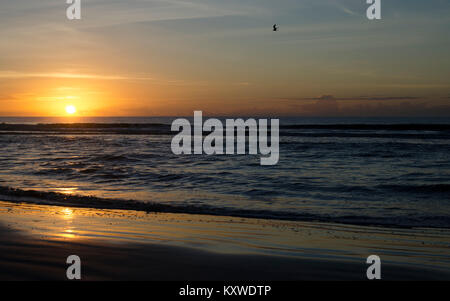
x=171, y=57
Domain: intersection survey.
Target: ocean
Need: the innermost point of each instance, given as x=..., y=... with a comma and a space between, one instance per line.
x=364, y=171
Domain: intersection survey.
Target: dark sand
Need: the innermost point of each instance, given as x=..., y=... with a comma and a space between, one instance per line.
x=114, y=245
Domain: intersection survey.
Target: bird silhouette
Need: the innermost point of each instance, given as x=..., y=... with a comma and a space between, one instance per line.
x=275, y=27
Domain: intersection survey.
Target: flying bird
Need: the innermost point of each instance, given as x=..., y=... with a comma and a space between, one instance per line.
x=275, y=27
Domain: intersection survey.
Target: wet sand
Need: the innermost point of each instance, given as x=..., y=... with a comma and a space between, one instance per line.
x=35, y=241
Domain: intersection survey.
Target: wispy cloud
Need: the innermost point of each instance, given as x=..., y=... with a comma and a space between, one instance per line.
x=345, y=9
x=24, y=75
x=362, y=98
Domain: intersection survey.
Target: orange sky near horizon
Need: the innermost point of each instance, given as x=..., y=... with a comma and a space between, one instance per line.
x=134, y=97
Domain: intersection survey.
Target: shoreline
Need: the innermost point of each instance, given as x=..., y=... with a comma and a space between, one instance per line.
x=52, y=198
x=132, y=245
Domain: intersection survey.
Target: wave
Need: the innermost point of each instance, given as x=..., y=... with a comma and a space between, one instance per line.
x=134, y=126
x=430, y=188
x=86, y=128
x=59, y=199
x=380, y=127
x=393, y=131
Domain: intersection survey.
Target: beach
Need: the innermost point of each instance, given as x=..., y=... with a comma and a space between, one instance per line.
x=134, y=245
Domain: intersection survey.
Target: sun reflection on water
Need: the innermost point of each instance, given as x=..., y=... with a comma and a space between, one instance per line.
x=68, y=190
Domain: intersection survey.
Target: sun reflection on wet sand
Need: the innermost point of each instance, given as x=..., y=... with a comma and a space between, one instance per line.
x=68, y=229
x=68, y=233
x=67, y=213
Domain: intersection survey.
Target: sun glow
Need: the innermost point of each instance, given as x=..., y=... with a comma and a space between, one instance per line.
x=71, y=110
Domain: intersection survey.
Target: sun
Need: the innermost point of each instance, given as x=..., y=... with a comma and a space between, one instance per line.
x=70, y=109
